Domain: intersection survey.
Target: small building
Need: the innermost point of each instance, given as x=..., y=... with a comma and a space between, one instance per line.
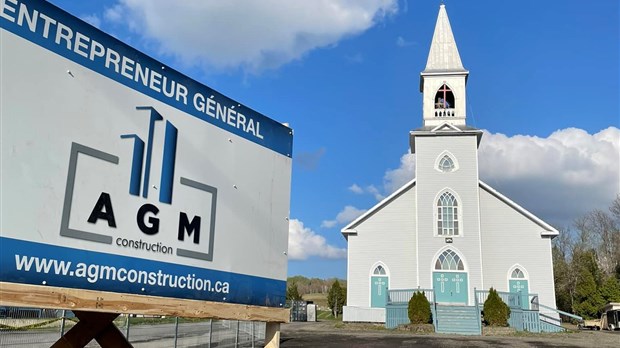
x=446, y=230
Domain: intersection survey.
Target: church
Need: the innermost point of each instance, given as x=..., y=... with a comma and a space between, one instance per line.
x=446, y=230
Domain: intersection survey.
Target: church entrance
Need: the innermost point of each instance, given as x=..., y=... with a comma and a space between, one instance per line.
x=450, y=287
x=450, y=279
x=378, y=287
x=519, y=284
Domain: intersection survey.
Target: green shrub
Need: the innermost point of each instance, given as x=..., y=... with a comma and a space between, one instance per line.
x=496, y=312
x=419, y=309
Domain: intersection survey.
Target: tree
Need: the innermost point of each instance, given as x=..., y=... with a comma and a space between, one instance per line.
x=292, y=293
x=610, y=290
x=336, y=298
x=587, y=300
x=419, y=309
x=496, y=312
x=563, y=280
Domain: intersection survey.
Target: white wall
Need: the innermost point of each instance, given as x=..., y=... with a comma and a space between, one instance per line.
x=510, y=238
x=464, y=183
x=387, y=236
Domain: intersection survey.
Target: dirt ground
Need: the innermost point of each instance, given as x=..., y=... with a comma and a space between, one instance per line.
x=336, y=334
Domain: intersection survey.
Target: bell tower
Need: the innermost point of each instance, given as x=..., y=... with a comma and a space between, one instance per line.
x=446, y=168
x=443, y=80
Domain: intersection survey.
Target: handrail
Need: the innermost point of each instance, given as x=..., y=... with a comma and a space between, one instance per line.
x=551, y=320
x=479, y=321
x=561, y=312
x=434, y=304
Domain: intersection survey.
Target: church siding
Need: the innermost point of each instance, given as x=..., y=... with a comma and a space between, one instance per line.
x=464, y=183
x=388, y=235
x=510, y=238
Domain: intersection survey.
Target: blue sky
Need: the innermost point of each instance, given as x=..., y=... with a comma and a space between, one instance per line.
x=543, y=84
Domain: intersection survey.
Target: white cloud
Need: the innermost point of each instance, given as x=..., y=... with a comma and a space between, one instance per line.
x=329, y=223
x=92, y=19
x=252, y=34
x=303, y=243
x=401, y=42
x=114, y=14
x=357, y=58
x=348, y=214
x=396, y=178
x=558, y=178
x=370, y=189
x=374, y=191
x=356, y=189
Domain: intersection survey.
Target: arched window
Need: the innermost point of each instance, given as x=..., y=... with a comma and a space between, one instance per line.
x=446, y=164
x=449, y=261
x=517, y=274
x=379, y=270
x=447, y=215
x=444, y=101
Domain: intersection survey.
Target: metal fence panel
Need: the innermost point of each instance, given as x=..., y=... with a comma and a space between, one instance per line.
x=34, y=327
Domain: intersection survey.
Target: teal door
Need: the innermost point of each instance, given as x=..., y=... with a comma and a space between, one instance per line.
x=450, y=287
x=520, y=286
x=378, y=291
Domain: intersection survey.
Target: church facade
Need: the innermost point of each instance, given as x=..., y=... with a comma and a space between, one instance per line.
x=445, y=230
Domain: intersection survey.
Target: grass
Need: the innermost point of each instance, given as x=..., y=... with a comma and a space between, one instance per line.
x=318, y=299
x=323, y=315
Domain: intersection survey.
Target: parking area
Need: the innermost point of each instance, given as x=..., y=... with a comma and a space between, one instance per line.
x=330, y=334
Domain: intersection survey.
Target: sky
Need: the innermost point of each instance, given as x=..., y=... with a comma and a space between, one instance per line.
x=344, y=74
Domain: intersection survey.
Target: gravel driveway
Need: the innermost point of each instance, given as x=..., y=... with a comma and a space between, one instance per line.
x=330, y=334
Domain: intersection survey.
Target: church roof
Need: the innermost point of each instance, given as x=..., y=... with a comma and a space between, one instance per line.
x=350, y=228
x=444, y=129
x=443, y=56
x=548, y=230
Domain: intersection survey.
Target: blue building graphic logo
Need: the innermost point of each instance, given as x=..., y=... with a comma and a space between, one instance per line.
x=139, y=183
x=168, y=163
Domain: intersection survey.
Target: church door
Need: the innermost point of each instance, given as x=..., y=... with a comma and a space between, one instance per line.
x=450, y=278
x=519, y=284
x=379, y=291
x=378, y=287
x=450, y=287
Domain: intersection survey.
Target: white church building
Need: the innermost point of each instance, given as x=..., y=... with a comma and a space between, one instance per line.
x=445, y=230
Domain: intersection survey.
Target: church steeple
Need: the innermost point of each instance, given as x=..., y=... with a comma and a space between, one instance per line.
x=444, y=55
x=443, y=80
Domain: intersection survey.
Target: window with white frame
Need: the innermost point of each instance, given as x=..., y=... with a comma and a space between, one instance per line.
x=449, y=261
x=517, y=274
x=446, y=164
x=447, y=215
x=379, y=270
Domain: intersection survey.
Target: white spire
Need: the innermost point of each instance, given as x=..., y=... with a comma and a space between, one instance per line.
x=443, y=55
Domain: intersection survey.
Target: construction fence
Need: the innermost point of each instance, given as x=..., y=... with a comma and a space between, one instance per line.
x=36, y=327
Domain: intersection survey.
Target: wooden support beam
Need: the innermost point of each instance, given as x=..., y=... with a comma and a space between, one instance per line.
x=13, y=294
x=93, y=325
x=272, y=335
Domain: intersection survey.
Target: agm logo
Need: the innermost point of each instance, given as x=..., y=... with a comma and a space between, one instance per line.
x=146, y=215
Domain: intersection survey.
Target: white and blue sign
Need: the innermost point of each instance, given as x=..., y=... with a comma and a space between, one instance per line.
x=120, y=174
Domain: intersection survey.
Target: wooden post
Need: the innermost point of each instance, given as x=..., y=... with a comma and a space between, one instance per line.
x=93, y=325
x=272, y=335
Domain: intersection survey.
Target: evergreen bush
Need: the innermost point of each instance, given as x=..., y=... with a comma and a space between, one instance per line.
x=496, y=312
x=419, y=309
